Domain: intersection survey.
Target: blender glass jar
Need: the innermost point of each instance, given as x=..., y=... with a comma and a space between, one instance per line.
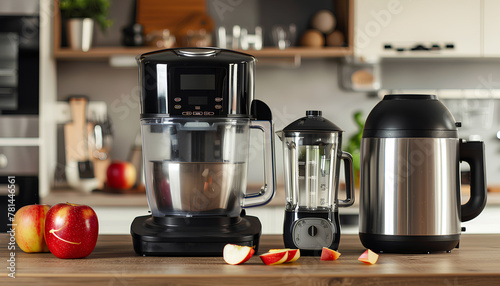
x=195, y=168
x=311, y=172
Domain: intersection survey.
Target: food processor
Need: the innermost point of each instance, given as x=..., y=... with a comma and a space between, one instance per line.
x=312, y=156
x=197, y=109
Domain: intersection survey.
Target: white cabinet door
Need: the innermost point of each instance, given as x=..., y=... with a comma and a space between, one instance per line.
x=491, y=18
x=404, y=24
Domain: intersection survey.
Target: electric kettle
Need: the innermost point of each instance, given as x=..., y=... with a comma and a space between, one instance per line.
x=410, y=197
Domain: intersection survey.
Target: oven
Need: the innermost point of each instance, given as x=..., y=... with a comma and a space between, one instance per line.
x=19, y=106
x=18, y=180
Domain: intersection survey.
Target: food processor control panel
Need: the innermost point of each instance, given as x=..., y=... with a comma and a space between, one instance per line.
x=197, y=91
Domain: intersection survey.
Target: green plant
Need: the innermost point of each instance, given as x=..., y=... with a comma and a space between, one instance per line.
x=354, y=145
x=95, y=9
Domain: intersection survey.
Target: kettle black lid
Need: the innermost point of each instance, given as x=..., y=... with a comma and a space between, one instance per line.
x=313, y=122
x=410, y=115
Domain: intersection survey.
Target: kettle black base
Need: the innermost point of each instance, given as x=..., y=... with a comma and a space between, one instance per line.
x=409, y=243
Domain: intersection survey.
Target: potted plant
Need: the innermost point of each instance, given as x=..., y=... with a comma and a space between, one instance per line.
x=80, y=16
x=354, y=146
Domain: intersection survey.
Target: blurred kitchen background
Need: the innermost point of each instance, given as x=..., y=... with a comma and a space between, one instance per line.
x=450, y=48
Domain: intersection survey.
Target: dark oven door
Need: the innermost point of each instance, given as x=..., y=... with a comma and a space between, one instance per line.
x=19, y=65
x=18, y=181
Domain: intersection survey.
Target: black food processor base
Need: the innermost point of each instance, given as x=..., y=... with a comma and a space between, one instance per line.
x=181, y=236
x=311, y=231
x=409, y=243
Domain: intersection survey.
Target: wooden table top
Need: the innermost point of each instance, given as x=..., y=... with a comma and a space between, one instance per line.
x=114, y=262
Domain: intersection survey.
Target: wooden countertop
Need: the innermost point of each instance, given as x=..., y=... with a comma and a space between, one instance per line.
x=114, y=262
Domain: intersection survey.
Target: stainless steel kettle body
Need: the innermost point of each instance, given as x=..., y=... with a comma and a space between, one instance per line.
x=410, y=199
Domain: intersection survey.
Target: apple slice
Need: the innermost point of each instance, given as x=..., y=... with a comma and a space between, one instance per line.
x=368, y=257
x=293, y=254
x=273, y=258
x=237, y=254
x=329, y=254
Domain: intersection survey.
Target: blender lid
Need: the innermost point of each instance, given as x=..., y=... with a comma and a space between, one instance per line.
x=313, y=122
x=410, y=115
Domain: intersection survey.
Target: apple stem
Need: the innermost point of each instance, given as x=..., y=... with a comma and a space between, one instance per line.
x=53, y=231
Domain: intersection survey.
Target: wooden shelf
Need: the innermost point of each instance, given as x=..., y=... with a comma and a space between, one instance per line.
x=104, y=53
x=345, y=23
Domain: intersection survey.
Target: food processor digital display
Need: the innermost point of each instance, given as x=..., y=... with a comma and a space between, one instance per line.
x=197, y=81
x=197, y=91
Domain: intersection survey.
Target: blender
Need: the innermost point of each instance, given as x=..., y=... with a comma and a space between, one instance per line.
x=312, y=157
x=197, y=109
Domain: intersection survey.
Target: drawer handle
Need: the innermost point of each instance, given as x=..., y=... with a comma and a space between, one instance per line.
x=3, y=161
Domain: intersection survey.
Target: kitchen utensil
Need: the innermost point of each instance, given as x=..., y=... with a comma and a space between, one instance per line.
x=312, y=156
x=135, y=157
x=410, y=183
x=360, y=75
x=132, y=35
x=284, y=36
x=75, y=134
x=197, y=109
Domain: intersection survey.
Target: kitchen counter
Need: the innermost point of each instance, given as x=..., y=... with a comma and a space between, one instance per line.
x=100, y=198
x=114, y=262
x=139, y=199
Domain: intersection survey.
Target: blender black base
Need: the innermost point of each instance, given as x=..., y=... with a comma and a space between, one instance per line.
x=291, y=219
x=174, y=236
x=409, y=243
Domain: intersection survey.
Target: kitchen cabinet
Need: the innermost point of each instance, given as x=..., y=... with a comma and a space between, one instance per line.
x=344, y=16
x=428, y=28
x=443, y=28
x=491, y=20
x=114, y=262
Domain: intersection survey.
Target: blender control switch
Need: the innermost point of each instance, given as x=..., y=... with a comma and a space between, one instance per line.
x=312, y=230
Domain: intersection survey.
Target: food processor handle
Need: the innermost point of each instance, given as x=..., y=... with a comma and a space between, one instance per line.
x=263, y=121
x=349, y=182
x=473, y=153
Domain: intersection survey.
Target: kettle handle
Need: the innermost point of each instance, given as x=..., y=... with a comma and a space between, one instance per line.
x=473, y=153
x=263, y=121
x=349, y=182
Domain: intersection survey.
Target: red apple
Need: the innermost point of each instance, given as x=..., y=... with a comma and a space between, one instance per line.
x=273, y=258
x=29, y=227
x=293, y=254
x=237, y=254
x=121, y=175
x=329, y=254
x=368, y=257
x=71, y=230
